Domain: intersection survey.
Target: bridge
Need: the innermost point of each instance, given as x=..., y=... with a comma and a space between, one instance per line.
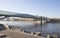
x=38, y=20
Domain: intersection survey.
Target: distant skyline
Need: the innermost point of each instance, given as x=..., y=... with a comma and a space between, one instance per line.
x=47, y=8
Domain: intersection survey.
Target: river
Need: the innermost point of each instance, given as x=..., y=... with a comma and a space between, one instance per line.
x=49, y=28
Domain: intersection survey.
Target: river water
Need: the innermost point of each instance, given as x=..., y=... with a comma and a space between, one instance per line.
x=48, y=28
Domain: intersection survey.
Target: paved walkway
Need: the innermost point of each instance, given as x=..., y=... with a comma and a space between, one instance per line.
x=18, y=34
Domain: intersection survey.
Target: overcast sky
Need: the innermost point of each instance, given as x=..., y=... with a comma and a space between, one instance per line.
x=48, y=8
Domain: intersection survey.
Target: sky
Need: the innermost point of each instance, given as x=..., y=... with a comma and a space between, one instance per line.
x=47, y=8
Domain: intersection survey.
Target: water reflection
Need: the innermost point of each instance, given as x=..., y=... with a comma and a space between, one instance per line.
x=48, y=28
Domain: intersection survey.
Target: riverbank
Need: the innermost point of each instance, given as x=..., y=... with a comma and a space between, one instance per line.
x=18, y=34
